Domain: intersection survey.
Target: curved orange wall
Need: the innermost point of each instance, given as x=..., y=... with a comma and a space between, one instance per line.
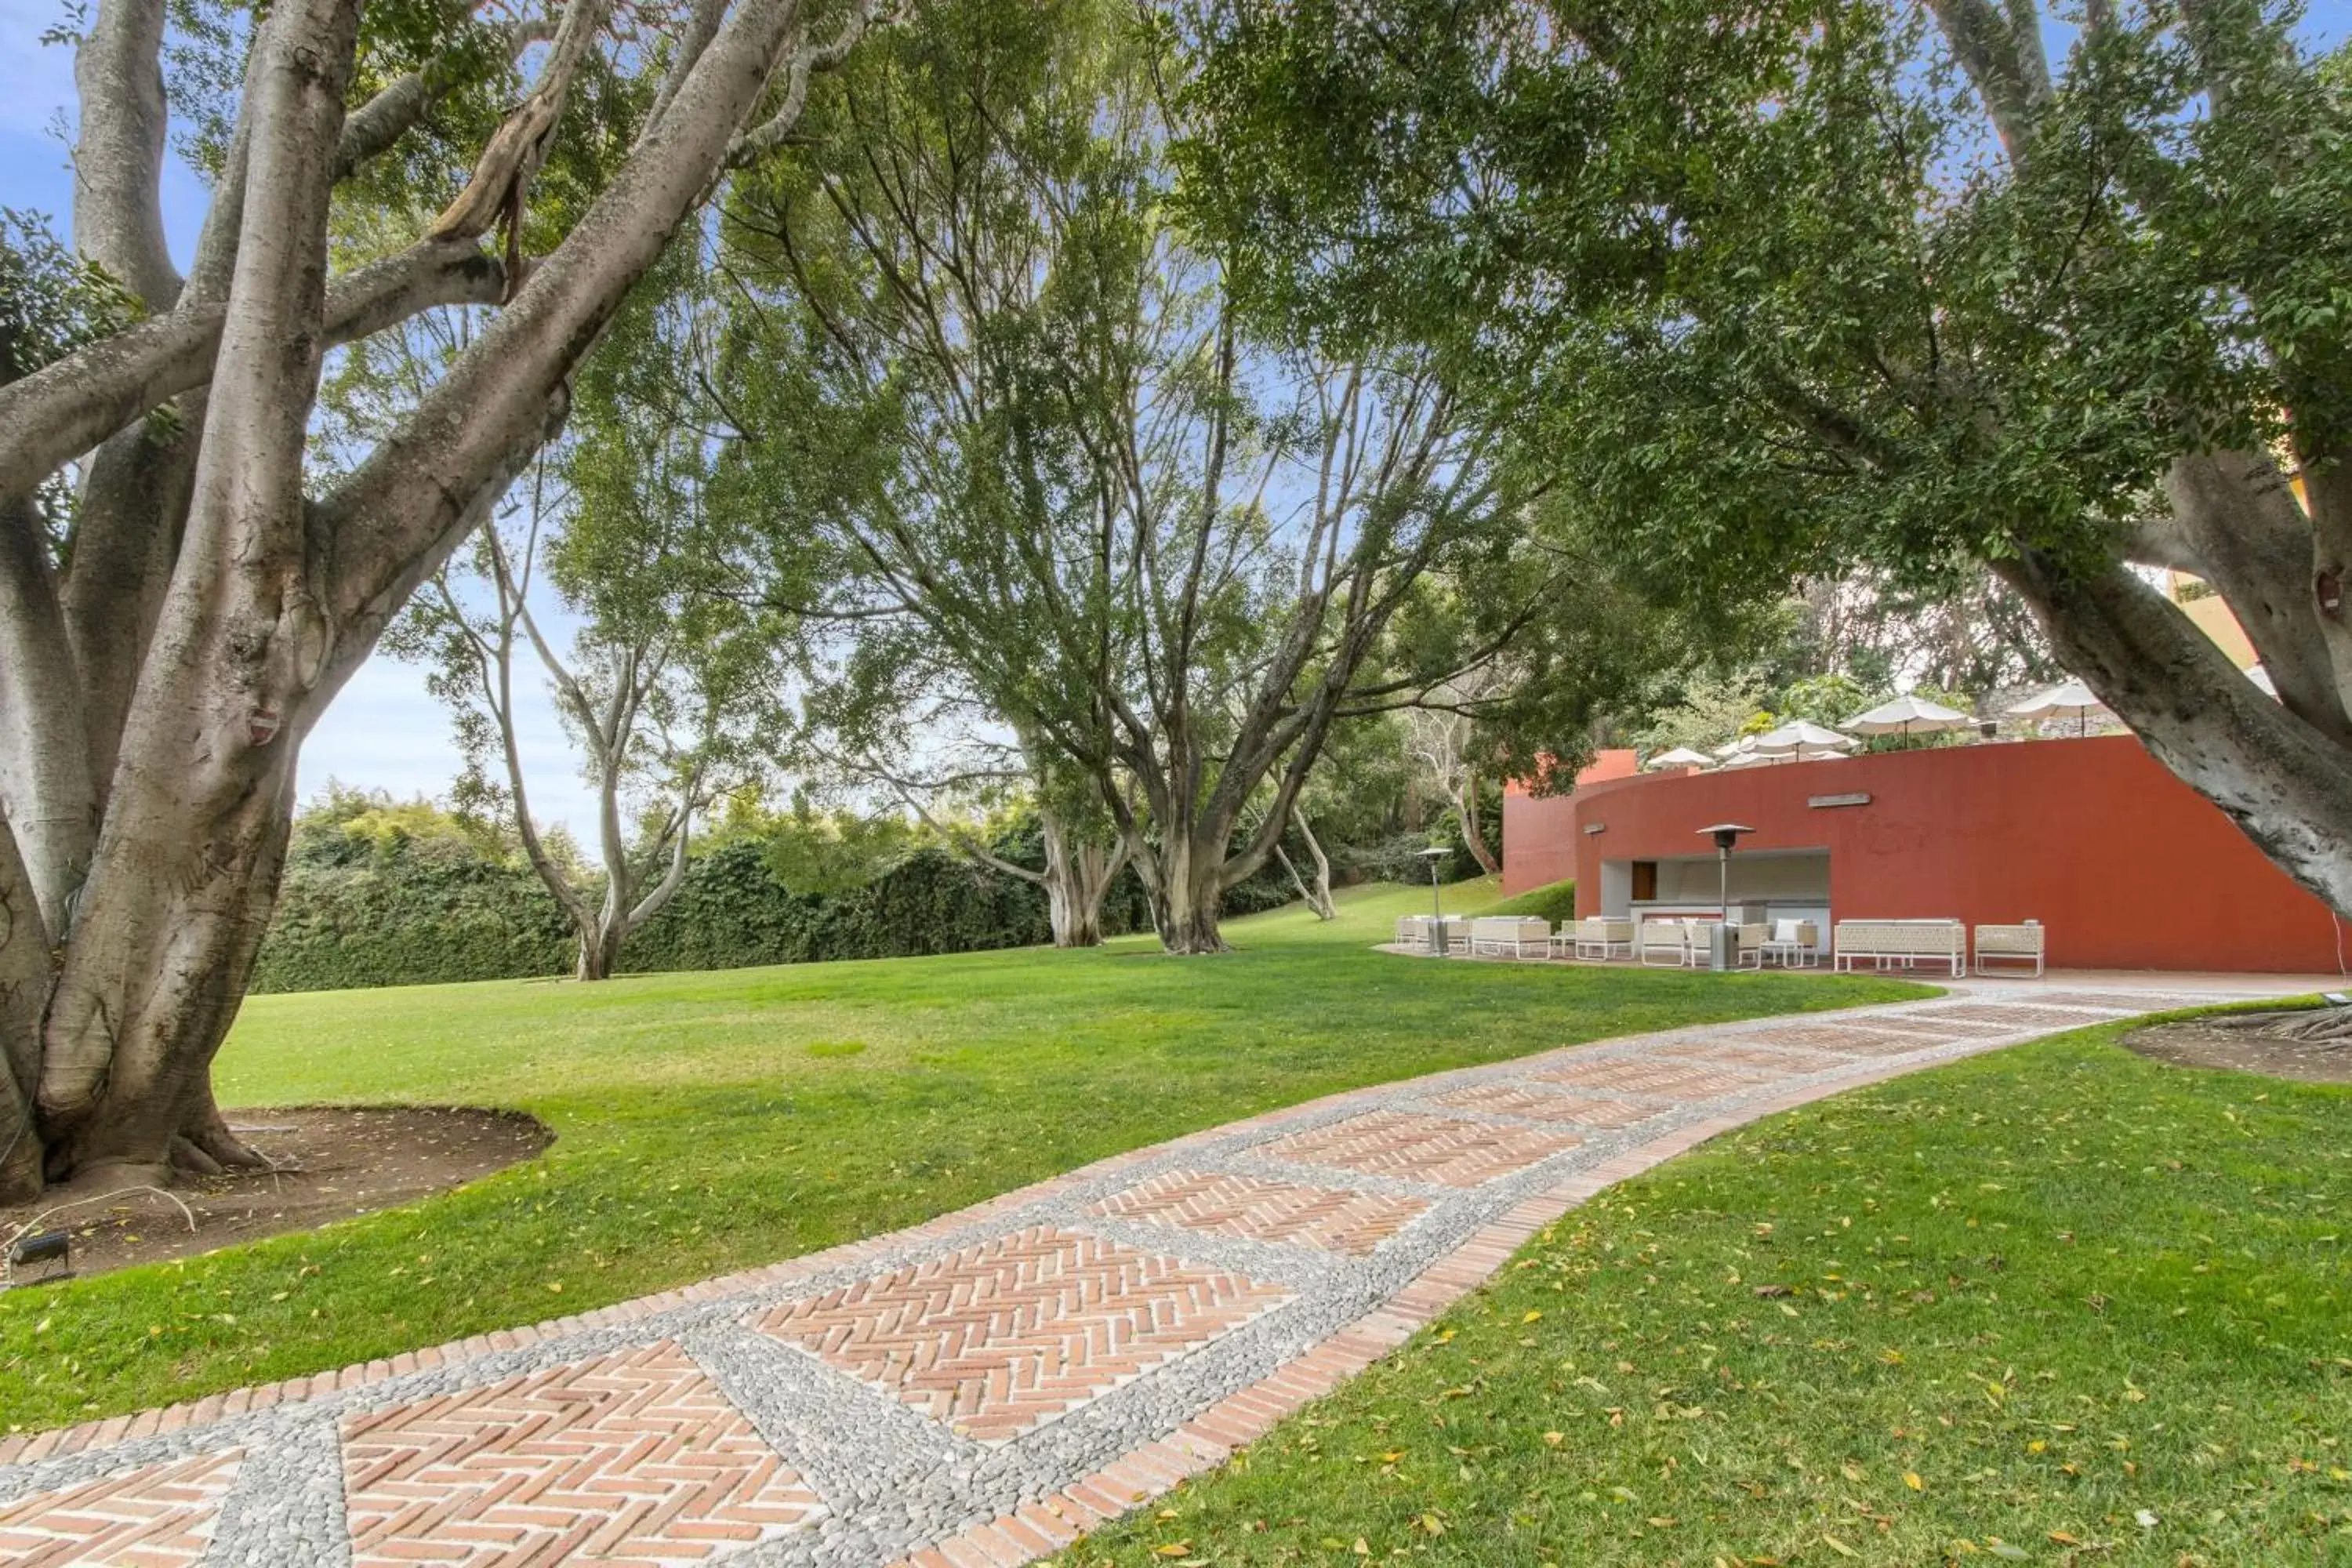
x=2127, y=867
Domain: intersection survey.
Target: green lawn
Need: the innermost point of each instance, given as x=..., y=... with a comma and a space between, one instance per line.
x=2055, y=1305
x=708, y=1122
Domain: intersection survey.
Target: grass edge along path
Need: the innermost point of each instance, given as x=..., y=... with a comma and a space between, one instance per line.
x=2056, y=1304
x=711, y=1122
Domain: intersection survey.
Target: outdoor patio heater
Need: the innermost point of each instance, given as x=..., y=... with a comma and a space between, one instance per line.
x=1436, y=856
x=1723, y=941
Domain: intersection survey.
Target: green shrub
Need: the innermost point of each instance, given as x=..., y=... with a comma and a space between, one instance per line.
x=1554, y=901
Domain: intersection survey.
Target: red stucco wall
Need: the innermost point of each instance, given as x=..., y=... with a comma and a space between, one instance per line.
x=2127, y=867
x=1546, y=827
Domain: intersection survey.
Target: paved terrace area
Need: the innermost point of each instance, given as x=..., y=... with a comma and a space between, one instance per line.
x=979, y=1390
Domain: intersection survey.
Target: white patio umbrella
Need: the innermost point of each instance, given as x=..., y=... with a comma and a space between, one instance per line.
x=1909, y=715
x=1739, y=748
x=1792, y=738
x=2067, y=699
x=1680, y=757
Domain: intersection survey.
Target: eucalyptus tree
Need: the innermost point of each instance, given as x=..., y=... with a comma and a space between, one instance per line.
x=1157, y=541
x=1814, y=284
x=1442, y=734
x=674, y=686
x=174, y=633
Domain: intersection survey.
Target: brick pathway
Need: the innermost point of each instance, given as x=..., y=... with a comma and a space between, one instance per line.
x=979, y=1390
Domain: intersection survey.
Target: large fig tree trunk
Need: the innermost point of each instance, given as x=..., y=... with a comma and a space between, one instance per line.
x=158, y=671
x=1186, y=883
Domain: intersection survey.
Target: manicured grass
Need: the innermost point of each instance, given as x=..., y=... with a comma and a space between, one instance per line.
x=708, y=1123
x=2055, y=1305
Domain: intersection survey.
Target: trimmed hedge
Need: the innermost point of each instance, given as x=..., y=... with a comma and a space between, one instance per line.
x=425, y=910
x=419, y=913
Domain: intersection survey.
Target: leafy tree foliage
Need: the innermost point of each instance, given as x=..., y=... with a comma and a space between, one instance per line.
x=1808, y=287
x=1148, y=536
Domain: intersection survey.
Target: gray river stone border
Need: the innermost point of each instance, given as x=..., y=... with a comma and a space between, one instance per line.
x=891, y=1480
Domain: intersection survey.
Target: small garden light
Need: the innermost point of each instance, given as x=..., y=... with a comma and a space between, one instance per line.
x=45, y=1246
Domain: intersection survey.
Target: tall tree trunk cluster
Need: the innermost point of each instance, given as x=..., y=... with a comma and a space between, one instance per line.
x=160, y=666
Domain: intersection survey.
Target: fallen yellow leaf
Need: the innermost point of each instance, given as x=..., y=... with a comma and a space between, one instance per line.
x=1911, y=1478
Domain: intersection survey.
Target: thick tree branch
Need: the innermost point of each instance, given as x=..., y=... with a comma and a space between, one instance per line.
x=67, y=408
x=414, y=489
x=117, y=215
x=2002, y=53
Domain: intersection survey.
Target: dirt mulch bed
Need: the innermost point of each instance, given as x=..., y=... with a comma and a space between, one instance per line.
x=2192, y=1044
x=333, y=1162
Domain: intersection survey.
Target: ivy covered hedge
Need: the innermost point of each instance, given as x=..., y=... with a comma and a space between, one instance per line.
x=420, y=912
x=382, y=895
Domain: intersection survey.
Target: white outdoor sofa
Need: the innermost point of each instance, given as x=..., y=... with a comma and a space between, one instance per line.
x=1669, y=942
x=1510, y=936
x=2017, y=945
x=1597, y=937
x=1889, y=944
x=1413, y=932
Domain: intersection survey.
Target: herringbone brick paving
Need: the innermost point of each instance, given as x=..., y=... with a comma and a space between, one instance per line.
x=1780, y=1061
x=161, y=1515
x=1850, y=1040
x=1422, y=1148
x=615, y=1440
x=999, y=1337
x=629, y=1458
x=1543, y=1104
x=1638, y=1076
x=1229, y=1203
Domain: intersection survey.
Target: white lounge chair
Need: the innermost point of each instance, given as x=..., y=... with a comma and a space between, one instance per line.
x=1664, y=943
x=1597, y=937
x=1792, y=944
x=2017, y=945
x=1413, y=932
